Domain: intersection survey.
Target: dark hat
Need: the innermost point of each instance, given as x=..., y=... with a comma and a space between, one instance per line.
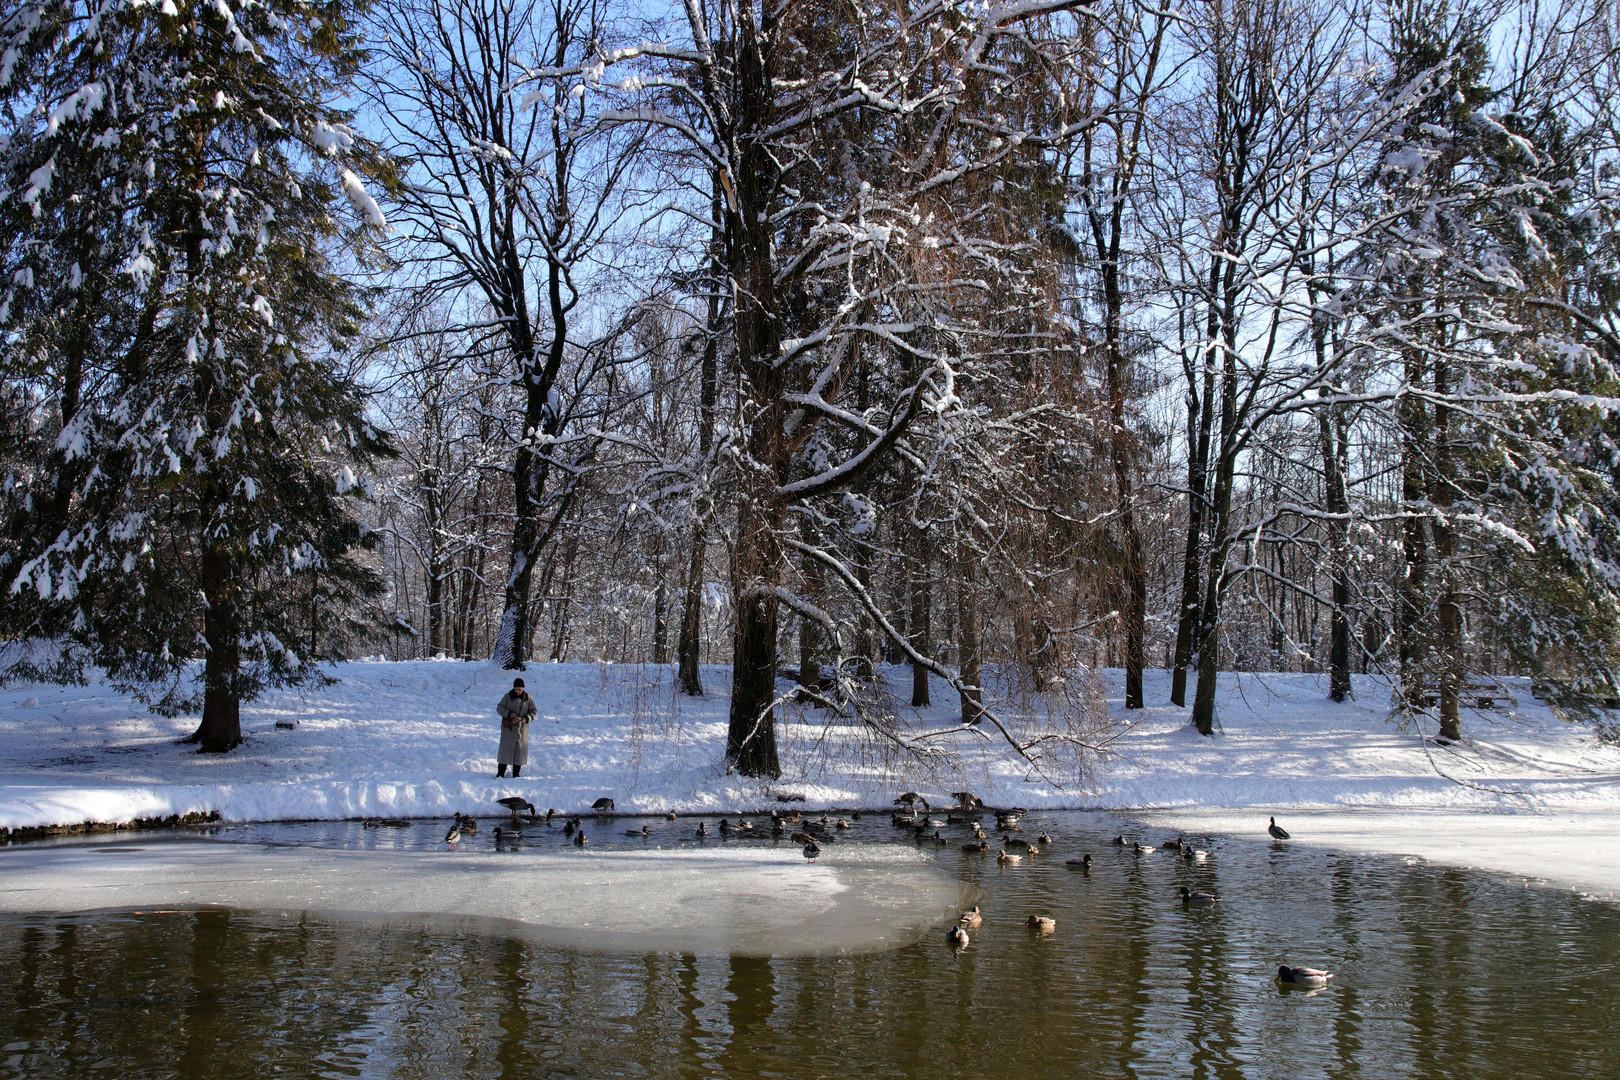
x=517, y=684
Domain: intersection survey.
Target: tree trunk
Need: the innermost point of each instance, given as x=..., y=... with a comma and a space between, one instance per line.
x=691, y=641
x=1200, y=423
x=1412, y=600
x=967, y=629
x=918, y=631
x=690, y=648
x=660, y=639
x=1445, y=546
x=756, y=566
x=221, y=727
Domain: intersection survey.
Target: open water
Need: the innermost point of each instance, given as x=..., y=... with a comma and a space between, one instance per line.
x=1439, y=973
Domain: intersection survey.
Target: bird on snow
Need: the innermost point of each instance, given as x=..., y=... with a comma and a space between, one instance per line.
x=909, y=799
x=1083, y=863
x=1277, y=831
x=1302, y=976
x=604, y=805
x=1042, y=923
x=1188, y=896
x=956, y=936
x=811, y=850
x=971, y=917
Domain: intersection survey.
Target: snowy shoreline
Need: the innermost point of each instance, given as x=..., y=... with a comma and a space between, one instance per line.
x=1526, y=794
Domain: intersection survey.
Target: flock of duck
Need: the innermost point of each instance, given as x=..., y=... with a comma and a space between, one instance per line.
x=812, y=832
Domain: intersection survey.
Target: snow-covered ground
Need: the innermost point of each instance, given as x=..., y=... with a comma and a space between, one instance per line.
x=419, y=739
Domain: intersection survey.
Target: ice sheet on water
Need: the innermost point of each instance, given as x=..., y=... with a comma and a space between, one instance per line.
x=751, y=902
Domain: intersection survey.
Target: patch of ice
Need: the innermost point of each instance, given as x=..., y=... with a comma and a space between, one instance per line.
x=748, y=903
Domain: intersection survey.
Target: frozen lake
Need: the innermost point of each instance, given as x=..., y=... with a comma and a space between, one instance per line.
x=325, y=949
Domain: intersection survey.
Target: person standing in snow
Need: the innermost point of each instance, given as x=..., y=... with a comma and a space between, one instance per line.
x=516, y=709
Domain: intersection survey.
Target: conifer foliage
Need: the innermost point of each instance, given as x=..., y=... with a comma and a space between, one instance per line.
x=179, y=194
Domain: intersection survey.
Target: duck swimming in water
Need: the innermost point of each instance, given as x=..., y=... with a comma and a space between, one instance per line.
x=1042, y=923
x=1303, y=976
x=579, y=839
x=1004, y=858
x=1083, y=862
x=1143, y=849
x=702, y=829
x=956, y=936
x=1188, y=896
x=971, y=917
x=643, y=831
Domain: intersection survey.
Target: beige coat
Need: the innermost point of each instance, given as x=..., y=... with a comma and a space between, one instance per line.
x=515, y=712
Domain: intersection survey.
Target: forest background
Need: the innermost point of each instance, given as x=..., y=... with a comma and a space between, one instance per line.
x=1039, y=337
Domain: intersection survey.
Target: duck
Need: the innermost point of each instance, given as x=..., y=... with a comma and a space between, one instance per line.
x=671, y=816
x=1003, y=857
x=506, y=836
x=726, y=828
x=971, y=917
x=980, y=847
x=940, y=840
x=466, y=823
x=579, y=839
x=966, y=800
x=908, y=799
x=1143, y=849
x=643, y=831
x=978, y=831
x=702, y=829
x=1042, y=923
x=1302, y=976
x=1175, y=845
x=1192, y=854
x=811, y=850
x=902, y=821
x=604, y=805
x=453, y=836
x=1017, y=843
x=568, y=828
x=1188, y=896
x=1277, y=831
x=957, y=937
x=515, y=803
x=1083, y=862
x=842, y=824
x=1119, y=841
x=1045, y=839
x=777, y=828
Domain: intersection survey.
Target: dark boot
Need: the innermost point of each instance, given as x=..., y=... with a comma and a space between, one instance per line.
x=517, y=770
x=500, y=771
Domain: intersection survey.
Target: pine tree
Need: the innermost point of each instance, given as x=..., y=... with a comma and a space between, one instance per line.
x=170, y=179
